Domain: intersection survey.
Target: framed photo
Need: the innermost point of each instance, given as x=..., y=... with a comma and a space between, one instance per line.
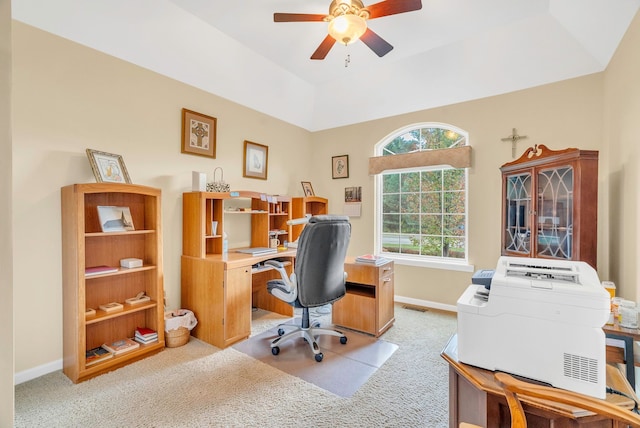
x=198, y=134
x=107, y=167
x=340, y=166
x=256, y=158
x=115, y=219
x=307, y=189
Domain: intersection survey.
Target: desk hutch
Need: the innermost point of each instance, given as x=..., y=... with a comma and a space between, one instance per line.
x=220, y=287
x=85, y=245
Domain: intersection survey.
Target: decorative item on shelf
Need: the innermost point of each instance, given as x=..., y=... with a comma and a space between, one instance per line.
x=131, y=262
x=218, y=185
x=307, y=189
x=107, y=167
x=89, y=312
x=115, y=219
x=141, y=297
x=111, y=307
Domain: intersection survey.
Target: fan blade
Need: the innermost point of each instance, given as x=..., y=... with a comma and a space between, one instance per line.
x=297, y=17
x=376, y=43
x=324, y=48
x=393, y=7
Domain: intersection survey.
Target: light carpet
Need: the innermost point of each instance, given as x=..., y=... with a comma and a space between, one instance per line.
x=198, y=385
x=344, y=367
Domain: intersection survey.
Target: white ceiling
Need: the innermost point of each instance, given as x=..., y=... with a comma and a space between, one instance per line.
x=449, y=51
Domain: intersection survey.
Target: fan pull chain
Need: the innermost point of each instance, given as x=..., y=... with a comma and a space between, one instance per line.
x=347, y=60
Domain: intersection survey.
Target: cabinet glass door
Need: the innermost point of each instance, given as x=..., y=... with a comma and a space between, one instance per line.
x=517, y=232
x=555, y=213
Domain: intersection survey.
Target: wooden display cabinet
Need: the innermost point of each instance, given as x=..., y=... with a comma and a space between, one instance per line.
x=85, y=245
x=308, y=205
x=368, y=304
x=550, y=205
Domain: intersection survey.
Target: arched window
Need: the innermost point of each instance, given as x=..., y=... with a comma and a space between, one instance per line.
x=421, y=211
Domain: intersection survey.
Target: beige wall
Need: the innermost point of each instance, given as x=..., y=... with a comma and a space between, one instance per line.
x=622, y=138
x=560, y=115
x=6, y=243
x=67, y=98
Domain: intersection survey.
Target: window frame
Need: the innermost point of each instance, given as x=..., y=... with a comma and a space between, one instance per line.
x=436, y=262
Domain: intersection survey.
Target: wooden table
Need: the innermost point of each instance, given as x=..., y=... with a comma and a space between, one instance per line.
x=628, y=335
x=476, y=397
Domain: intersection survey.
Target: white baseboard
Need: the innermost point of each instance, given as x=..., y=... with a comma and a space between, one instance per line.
x=35, y=372
x=426, y=304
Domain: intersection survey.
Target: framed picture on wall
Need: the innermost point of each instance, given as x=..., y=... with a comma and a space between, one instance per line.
x=108, y=167
x=198, y=134
x=340, y=166
x=256, y=158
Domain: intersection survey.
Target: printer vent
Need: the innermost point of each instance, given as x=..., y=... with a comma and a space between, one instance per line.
x=581, y=368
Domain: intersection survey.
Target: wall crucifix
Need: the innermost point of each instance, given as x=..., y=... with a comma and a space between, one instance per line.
x=514, y=137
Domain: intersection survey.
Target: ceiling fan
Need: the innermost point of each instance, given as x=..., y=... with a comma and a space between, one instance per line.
x=347, y=23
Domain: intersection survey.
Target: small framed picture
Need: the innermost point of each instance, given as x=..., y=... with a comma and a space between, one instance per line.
x=107, y=167
x=198, y=134
x=340, y=166
x=307, y=189
x=115, y=219
x=256, y=157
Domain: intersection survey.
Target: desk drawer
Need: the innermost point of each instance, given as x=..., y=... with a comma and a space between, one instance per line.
x=356, y=310
x=367, y=274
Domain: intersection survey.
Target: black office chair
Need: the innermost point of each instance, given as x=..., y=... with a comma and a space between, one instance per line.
x=318, y=278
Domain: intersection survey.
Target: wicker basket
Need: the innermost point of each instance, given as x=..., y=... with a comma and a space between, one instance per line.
x=177, y=337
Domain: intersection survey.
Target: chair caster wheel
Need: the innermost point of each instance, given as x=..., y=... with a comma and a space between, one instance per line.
x=343, y=339
x=275, y=350
x=281, y=332
x=319, y=357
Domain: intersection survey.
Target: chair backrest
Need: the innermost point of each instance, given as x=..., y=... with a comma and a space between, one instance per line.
x=514, y=389
x=322, y=248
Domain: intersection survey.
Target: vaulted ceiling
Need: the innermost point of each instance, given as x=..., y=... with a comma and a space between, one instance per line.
x=449, y=51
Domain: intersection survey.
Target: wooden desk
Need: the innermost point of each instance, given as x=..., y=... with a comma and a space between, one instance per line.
x=475, y=397
x=628, y=335
x=220, y=290
x=368, y=304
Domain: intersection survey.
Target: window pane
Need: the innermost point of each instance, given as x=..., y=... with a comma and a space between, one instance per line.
x=391, y=243
x=454, y=179
x=410, y=182
x=431, y=202
x=455, y=248
x=391, y=223
x=410, y=202
x=391, y=203
x=432, y=246
x=409, y=244
x=409, y=223
x=453, y=202
x=431, y=224
x=391, y=183
x=431, y=181
x=454, y=225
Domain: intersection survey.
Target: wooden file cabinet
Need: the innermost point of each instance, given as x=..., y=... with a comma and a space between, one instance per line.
x=368, y=304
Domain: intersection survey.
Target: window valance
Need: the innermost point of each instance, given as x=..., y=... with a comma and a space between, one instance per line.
x=457, y=157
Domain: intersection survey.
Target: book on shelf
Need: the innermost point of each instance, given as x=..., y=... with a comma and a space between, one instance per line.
x=96, y=355
x=145, y=335
x=121, y=345
x=98, y=270
x=372, y=259
x=111, y=307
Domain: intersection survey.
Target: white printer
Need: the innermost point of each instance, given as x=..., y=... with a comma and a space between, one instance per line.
x=540, y=319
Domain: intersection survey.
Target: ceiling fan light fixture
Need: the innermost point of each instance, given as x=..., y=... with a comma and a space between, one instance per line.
x=347, y=28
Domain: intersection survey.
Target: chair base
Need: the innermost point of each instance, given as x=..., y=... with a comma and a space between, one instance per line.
x=309, y=334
